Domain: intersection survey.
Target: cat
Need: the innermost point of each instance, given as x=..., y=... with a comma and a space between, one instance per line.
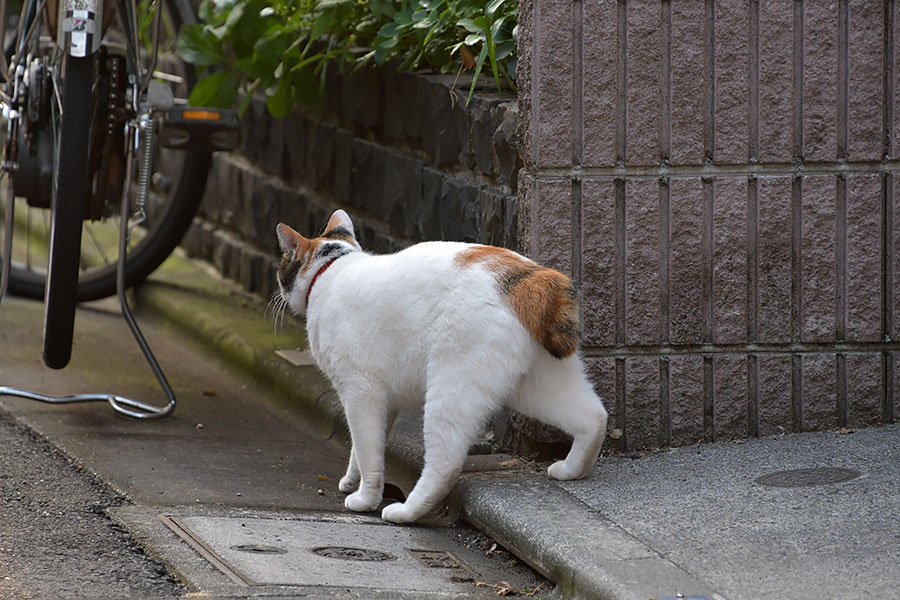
x=464, y=328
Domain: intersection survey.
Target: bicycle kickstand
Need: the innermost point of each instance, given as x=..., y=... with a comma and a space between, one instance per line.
x=121, y=404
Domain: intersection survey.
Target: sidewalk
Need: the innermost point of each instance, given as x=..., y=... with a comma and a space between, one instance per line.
x=691, y=522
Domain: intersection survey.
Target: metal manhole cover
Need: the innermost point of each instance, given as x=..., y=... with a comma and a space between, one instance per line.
x=807, y=477
x=345, y=553
x=259, y=549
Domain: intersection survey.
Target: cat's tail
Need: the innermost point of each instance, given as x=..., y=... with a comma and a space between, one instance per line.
x=544, y=301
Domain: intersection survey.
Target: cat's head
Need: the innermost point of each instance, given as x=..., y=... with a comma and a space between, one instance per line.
x=302, y=259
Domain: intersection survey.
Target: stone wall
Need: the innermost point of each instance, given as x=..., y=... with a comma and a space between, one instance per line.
x=401, y=152
x=719, y=178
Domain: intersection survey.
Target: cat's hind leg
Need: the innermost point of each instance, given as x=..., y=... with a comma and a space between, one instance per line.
x=454, y=415
x=558, y=393
x=350, y=481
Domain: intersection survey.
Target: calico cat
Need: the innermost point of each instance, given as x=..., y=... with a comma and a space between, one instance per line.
x=463, y=328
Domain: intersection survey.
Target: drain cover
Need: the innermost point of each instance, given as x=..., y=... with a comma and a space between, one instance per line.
x=259, y=549
x=345, y=553
x=256, y=551
x=807, y=477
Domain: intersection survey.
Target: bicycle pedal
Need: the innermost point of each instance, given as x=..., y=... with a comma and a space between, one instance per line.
x=199, y=128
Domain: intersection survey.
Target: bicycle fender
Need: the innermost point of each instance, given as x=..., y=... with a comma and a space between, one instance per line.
x=80, y=26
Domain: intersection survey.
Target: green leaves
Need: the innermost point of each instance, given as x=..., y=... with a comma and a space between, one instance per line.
x=198, y=45
x=283, y=47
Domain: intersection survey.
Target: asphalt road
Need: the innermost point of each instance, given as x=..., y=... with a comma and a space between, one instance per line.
x=56, y=541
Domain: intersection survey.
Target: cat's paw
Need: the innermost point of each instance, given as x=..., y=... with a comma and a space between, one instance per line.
x=562, y=472
x=397, y=512
x=359, y=502
x=348, y=484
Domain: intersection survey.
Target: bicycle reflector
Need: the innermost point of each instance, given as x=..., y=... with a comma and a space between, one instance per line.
x=199, y=128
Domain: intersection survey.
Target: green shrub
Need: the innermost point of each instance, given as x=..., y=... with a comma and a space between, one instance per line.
x=285, y=47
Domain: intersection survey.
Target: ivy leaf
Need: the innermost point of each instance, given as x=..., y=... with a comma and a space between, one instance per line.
x=280, y=99
x=218, y=90
x=199, y=46
x=491, y=9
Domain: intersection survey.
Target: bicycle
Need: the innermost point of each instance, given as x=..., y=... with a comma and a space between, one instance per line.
x=98, y=131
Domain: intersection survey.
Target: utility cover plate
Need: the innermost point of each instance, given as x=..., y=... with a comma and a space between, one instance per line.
x=264, y=551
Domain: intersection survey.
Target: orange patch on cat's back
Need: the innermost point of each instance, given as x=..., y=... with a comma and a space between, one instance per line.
x=542, y=299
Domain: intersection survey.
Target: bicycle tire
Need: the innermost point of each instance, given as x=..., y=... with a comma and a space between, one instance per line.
x=70, y=189
x=165, y=233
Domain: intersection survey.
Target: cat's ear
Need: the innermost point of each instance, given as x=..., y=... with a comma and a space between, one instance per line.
x=289, y=240
x=340, y=220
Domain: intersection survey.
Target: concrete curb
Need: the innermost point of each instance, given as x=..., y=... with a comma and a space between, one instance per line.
x=587, y=555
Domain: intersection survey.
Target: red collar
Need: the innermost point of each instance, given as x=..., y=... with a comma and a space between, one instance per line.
x=321, y=270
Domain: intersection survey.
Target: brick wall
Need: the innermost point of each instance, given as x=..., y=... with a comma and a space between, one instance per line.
x=719, y=178
x=400, y=152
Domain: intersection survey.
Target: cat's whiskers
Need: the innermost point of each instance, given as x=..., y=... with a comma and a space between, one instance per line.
x=277, y=304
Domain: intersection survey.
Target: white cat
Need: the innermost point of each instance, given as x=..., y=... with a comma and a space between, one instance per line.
x=463, y=328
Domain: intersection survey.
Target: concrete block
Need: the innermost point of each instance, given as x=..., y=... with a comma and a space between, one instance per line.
x=295, y=160
x=525, y=66
x=642, y=125
x=895, y=360
x=526, y=200
x=427, y=121
x=402, y=191
x=732, y=47
x=361, y=97
x=450, y=127
x=820, y=80
x=642, y=424
x=320, y=141
x=342, y=167
x=553, y=83
x=507, y=159
x=458, y=211
x=687, y=311
x=424, y=214
x=894, y=134
x=775, y=407
x=865, y=104
x=864, y=389
x=819, y=392
x=481, y=135
x=774, y=259
x=818, y=285
x=554, y=224
x=599, y=68
x=686, y=399
x=396, y=105
x=494, y=219
x=687, y=81
x=602, y=374
x=731, y=396
x=642, y=256
x=367, y=176
x=893, y=191
x=864, y=224
x=730, y=261
x=776, y=82
x=598, y=267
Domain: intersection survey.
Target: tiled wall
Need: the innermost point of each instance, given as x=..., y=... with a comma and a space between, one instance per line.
x=720, y=179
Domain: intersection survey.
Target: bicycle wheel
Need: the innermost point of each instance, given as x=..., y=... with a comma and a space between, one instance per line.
x=70, y=189
x=177, y=184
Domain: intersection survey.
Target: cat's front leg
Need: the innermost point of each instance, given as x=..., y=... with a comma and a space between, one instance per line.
x=366, y=415
x=350, y=481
